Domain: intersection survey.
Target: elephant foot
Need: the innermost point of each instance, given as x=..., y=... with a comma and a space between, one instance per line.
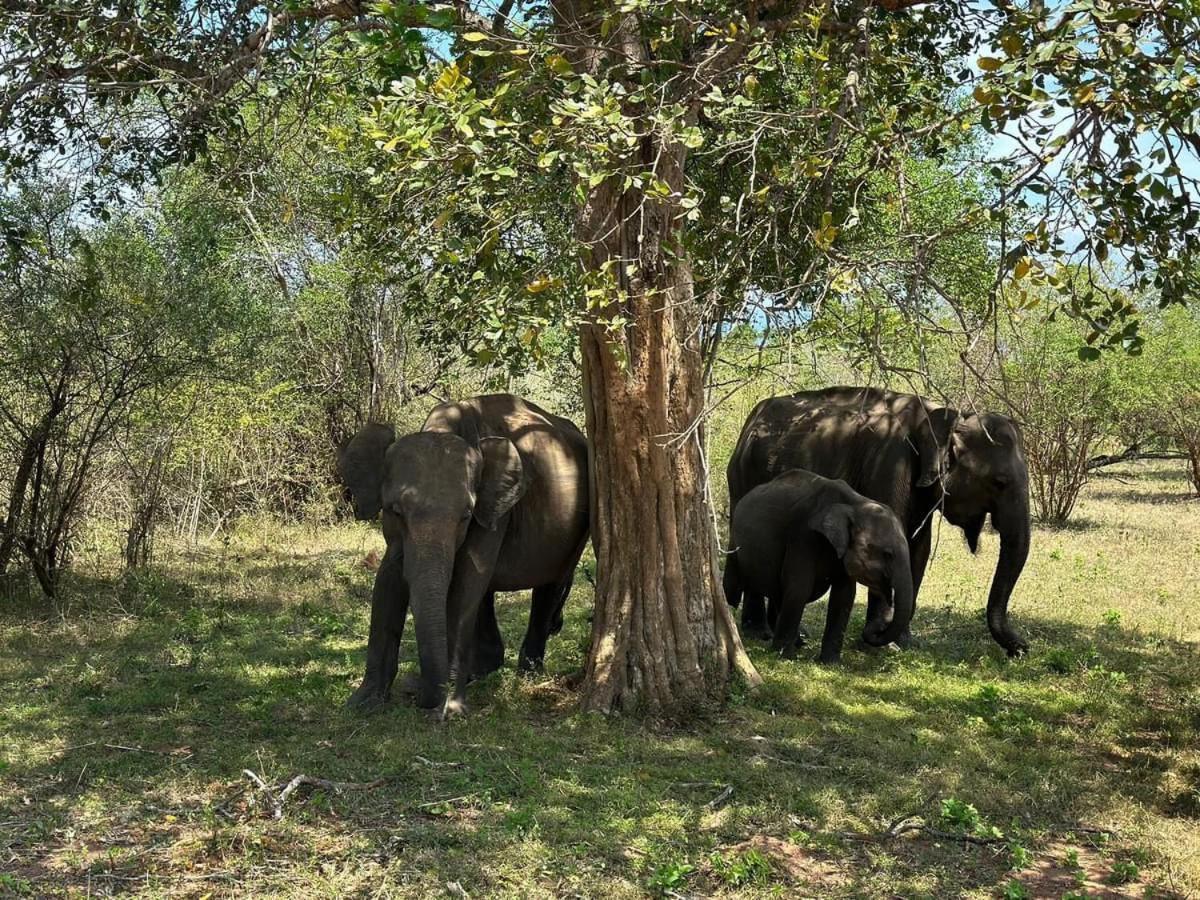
x=455, y=708
x=1016, y=647
x=531, y=663
x=421, y=694
x=528, y=666
x=830, y=658
x=368, y=697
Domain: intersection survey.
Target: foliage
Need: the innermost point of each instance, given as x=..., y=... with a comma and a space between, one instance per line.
x=97, y=322
x=748, y=867
x=1062, y=403
x=1159, y=393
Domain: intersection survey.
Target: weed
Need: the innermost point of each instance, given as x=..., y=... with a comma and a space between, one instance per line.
x=739, y=869
x=960, y=816
x=1019, y=857
x=1123, y=872
x=669, y=876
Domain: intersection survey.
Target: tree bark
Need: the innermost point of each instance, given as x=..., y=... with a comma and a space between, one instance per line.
x=34, y=447
x=663, y=639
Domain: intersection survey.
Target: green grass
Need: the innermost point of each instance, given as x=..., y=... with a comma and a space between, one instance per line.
x=239, y=656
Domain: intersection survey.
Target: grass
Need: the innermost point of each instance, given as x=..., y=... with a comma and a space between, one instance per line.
x=129, y=716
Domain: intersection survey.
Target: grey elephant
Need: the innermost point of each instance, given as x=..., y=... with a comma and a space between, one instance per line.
x=800, y=535
x=909, y=454
x=491, y=495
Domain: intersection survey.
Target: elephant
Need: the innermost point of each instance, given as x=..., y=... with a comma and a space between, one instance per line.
x=913, y=456
x=491, y=495
x=800, y=535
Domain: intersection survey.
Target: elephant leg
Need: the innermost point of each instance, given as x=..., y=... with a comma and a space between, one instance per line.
x=754, y=616
x=918, y=555
x=798, y=584
x=489, y=645
x=841, y=602
x=547, y=603
x=389, y=606
x=473, y=569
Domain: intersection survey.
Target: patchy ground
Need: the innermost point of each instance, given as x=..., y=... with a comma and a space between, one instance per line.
x=131, y=715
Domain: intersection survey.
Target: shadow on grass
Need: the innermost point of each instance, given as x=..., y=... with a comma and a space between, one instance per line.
x=1074, y=525
x=134, y=720
x=1174, y=471
x=1152, y=497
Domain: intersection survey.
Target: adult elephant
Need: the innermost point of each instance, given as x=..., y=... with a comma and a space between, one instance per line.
x=491, y=495
x=909, y=454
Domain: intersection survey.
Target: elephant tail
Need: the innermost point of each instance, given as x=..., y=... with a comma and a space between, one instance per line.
x=732, y=580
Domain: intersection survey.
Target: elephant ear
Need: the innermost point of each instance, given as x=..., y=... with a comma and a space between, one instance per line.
x=834, y=523
x=360, y=467
x=931, y=438
x=501, y=481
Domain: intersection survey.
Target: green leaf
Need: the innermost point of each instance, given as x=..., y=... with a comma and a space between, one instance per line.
x=475, y=37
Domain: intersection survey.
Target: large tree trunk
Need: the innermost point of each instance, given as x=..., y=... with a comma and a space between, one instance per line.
x=663, y=638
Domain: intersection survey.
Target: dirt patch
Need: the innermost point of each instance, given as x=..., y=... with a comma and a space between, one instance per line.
x=1063, y=868
x=797, y=864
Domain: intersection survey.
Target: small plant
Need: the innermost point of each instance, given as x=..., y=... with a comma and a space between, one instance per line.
x=11, y=884
x=959, y=815
x=1019, y=857
x=669, y=876
x=1123, y=872
x=748, y=867
x=1014, y=890
x=988, y=700
x=1071, y=861
x=1062, y=661
x=1112, y=618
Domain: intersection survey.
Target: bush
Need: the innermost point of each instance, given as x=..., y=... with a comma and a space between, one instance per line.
x=1063, y=402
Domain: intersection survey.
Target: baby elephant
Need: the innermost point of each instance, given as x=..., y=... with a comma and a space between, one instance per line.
x=800, y=535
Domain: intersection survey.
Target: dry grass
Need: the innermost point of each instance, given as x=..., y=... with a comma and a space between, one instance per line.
x=239, y=656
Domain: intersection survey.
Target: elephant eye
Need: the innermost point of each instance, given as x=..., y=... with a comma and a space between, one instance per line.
x=466, y=515
x=1000, y=481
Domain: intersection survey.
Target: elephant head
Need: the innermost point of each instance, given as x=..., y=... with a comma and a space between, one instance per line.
x=436, y=488
x=360, y=469
x=867, y=537
x=983, y=472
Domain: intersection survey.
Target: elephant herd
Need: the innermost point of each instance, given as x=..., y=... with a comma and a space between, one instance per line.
x=828, y=489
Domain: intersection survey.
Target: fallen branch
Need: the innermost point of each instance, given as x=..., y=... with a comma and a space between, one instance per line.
x=1129, y=455
x=914, y=823
x=335, y=786
x=279, y=794
x=910, y=825
x=721, y=799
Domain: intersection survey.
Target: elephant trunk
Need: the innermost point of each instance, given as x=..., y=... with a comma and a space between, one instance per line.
x=1014, y=526
x=429, y=587
x=887, y=628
